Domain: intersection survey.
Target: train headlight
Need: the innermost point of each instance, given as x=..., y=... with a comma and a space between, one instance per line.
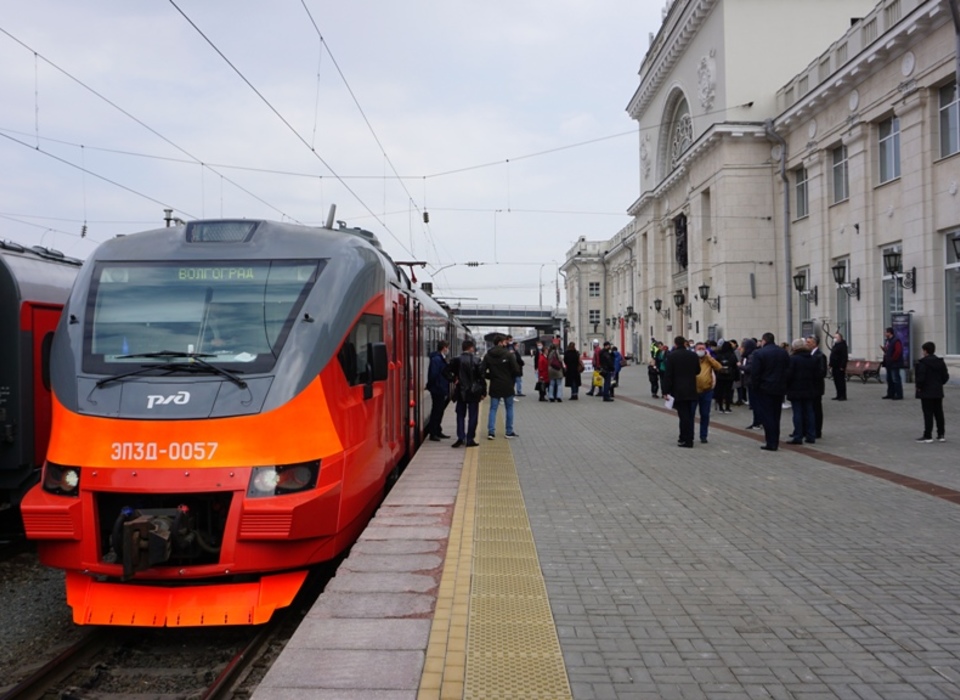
x=283, y=479
x=61, y=480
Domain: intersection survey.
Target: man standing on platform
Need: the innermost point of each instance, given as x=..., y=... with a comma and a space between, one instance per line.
x=893, y=362
x=813, y=343
x=501, y=368
x=439, y=389
x=768, y=373
x=839, y=356
x=470, y=390
x=681, y=368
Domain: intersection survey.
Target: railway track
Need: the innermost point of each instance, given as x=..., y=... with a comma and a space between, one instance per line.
x=197, y=663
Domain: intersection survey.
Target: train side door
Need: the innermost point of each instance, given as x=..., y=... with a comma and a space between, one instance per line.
x=43, y=322
x=398, y=382
x=417, y=381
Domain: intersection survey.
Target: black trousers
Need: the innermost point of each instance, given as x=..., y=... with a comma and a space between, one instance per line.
x=686, y=410
x=818, y=414
x=932, y=410
x=840, y=382
x=439, y=401
x=769, y=408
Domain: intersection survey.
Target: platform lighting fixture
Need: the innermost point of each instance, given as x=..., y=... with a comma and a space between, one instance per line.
x=704, y=290
x=800, y=283
x=679, y=298
x=892, y=261
x=840, y=276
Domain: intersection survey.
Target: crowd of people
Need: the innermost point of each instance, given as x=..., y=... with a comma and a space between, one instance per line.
x=693, y=377
x=769, y=377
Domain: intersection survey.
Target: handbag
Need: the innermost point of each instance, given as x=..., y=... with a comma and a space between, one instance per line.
x=555, y=363
x=597, y=378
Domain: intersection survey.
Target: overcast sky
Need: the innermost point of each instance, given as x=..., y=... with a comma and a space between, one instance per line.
x=505, y=120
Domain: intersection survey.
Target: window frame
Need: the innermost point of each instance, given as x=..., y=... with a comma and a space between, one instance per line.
x=840, y=170
x=801, y=188
x=593, y=290
x=888, y=150
x=949, y=112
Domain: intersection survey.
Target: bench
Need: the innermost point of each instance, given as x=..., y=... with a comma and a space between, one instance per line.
x=865, y=369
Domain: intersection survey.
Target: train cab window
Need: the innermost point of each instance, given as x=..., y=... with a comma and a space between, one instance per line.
x=232, y=313
x=353, y=353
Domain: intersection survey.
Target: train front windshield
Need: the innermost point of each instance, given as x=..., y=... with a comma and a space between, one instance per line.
x=231, y=313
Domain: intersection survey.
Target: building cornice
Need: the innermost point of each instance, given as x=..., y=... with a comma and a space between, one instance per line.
x=668, y=47
x=927, y=15
x=707, y=141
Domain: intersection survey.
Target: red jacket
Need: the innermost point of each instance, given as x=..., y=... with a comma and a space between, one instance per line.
x=543, y=368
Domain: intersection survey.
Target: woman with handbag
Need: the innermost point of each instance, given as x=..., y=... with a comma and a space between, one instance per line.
x=555, y=372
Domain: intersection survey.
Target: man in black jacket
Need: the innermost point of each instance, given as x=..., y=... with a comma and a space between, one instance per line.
x=680, y=383
x=839, y=356
x=813, y=344
x=501, y=368
x=931, y=375
x=768, y=373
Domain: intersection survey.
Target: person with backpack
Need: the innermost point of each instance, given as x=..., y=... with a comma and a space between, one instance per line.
x=555, y=372
x=501, y=368
x=469, y=390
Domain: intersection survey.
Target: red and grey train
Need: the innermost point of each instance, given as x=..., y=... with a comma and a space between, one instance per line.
x=230, y=400
x=34, y=285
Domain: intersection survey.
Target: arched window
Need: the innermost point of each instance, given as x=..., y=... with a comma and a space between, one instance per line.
x=681, y=132
x=676, y=133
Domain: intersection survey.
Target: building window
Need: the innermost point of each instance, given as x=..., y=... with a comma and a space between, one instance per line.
x=949, y=120
x=892, y=291
x=680, y=230
x=681, y=133
x=889, y=149
x=803, y=198
x=594, y=289
x=841, y=176
x=952, y=289
x=595, y=316
x=843, y=308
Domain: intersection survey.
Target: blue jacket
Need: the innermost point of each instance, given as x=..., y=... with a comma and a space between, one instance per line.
x=617, y=361
x=437, y=383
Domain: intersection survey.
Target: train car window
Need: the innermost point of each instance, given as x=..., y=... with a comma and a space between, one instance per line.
x=353, y=352
x=234, y=313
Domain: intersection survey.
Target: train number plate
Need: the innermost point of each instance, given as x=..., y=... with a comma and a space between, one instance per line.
x=152, y=451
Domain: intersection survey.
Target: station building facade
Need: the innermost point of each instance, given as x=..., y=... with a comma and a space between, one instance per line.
x=771, y=200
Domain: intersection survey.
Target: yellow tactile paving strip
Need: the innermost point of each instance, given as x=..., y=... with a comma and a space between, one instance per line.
x=493, y=634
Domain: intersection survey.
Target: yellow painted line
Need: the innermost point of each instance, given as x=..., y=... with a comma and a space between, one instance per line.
x=493, y=633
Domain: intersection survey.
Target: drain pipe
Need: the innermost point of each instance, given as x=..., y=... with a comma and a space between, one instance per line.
x=772, y=135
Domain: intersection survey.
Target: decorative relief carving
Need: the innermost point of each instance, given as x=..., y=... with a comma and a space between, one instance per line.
x=707, y=80
x=812, y=128
x=953, y=188
x=854, y=100
x=908, y=63
x=645, y=159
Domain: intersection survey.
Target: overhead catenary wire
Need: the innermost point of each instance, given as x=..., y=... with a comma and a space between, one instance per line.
x=129, y=115
x=285, y=122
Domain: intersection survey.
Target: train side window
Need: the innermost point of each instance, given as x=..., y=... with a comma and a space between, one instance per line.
x=45, y=347
x=353, y=353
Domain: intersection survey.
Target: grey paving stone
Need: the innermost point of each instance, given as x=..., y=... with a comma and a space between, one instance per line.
x=381, y=582
x=376, y=634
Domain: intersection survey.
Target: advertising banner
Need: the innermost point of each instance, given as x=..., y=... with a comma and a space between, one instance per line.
x=900, y=322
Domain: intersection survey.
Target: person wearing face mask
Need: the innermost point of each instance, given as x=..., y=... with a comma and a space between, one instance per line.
x=706, y=382
x=541, y=387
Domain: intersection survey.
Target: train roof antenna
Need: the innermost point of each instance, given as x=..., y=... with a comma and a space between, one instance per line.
x=333, y=213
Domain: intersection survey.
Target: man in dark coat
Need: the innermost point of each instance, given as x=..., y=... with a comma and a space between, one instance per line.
x=470, y=390
x=804, y=379
x=501, y=368
x=681, y=368
x=813, y=344
x=893, y=363
x=439, y=388
x=768, y=375
x=931, y=374
x=607, y=370
x=839, y=356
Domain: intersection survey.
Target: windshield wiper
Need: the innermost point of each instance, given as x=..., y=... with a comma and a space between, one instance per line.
x=143, y=370
x=196, y=364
